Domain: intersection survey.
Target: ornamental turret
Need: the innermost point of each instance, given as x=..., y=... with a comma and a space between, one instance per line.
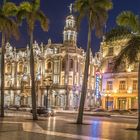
x=70, y=32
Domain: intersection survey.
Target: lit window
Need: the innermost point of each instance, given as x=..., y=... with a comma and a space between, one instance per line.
x=20, y=67
x=71, y=64
x=63, y=80
x=122, y=85
x=55, y=50
x=109, y=85
x=63, y=65
x=8, y=68
x=56, y=79
x=56, y=67
x=70, y=80
x=49, y=65
x=135, y=84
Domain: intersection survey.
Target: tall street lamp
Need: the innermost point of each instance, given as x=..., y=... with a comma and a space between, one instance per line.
x=48, y=85
x=107, y=99
x=38, y=81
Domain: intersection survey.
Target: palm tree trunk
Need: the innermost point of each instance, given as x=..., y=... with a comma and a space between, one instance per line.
x=138, y=126
x=33, y=91
x=84, y=85
x=2, y=74
x=2, y=70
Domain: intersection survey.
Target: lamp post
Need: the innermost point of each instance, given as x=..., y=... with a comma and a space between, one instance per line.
x=48, y=85
x=38, y=81
x=107, y=98
x=74, y=96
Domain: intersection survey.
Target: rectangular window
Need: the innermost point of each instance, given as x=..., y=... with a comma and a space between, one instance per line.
x=56, y=67
x=135, y=84
x=122, y=85
x=70, y=80
x=63, y=80
x=56, y=79
x=109, y=85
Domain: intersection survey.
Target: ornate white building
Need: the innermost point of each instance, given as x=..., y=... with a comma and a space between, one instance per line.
x=59, y=70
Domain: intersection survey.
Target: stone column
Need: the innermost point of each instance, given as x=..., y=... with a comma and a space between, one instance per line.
x=104, y=102
x=114, y=103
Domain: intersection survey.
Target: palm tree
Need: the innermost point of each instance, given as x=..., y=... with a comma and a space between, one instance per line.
x=8, y=27
x=96, y=12
x=131, y=51
x=32, y=13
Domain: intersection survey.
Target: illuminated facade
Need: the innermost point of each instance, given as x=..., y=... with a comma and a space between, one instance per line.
x=63, y=64
x=120, y=89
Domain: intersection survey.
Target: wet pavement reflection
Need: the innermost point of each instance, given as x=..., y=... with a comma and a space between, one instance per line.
x=64, y=127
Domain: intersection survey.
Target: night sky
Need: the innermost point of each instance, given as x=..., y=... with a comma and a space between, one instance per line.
x=57, y=10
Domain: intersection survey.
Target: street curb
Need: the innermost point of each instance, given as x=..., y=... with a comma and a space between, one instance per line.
x=98, y=115
x=121, y=116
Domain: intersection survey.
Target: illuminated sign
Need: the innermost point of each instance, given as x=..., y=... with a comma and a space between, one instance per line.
x=97, y=86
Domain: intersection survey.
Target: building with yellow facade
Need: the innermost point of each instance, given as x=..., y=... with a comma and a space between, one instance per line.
x=120, y=88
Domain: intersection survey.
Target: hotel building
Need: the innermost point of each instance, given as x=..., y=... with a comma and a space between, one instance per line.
x=120, y=88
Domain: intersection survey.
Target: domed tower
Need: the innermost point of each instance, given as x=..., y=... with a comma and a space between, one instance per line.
x=70, y=32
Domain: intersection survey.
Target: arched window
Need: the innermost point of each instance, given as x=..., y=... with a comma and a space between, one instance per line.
x=63, y=64
x=49, y=65
x=25, y=69
x=8, y=70
x=71, y=64
x=8, y=84
x=20, y=67
x=77, y=67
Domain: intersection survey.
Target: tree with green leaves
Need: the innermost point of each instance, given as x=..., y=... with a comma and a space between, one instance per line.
x=131, y=51
x=96, y=13
x=8, y=28
x=30, y=11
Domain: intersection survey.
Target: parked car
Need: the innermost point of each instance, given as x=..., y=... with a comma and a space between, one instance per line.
x=13, y=107
x=45, y=111
x=24, y=108
x=99, y=110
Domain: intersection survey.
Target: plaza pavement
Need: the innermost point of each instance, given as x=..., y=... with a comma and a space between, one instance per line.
x=63, y=128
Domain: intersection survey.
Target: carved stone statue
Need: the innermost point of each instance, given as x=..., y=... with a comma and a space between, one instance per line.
x=70, y=7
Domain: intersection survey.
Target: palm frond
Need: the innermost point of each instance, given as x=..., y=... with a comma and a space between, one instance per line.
x=98, y=10
x=22, y=13
x=9, y=27
x=117, y=33
x=130, y=52
x=104, y=4
x=80, y=7
x=9, y=9
x=36, y=5
x=43, y=20
x=129, y=20
x=25, y=6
